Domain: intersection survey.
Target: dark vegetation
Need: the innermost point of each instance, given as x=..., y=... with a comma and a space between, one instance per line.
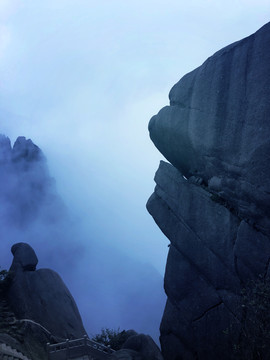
x=5, y=281
x=254, y=340
x=8, y=324
x=23, y=338
x=7, y=318
x=111, y=337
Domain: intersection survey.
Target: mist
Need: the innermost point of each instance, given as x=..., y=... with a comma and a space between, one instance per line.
x=82, y=79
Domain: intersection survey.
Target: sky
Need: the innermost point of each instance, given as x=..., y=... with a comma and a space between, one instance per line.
x=82, y=78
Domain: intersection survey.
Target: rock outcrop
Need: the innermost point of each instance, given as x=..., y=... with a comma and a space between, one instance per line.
x=24, y=258
x=40, y=298
x=217, y=126
x=213, y=201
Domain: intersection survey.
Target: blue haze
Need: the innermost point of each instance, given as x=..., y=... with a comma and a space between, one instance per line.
x=81, y=79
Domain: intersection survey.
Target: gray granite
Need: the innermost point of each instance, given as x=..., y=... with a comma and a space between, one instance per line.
x=212, y=203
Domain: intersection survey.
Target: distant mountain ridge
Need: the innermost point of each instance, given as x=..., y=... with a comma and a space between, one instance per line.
x=26, y=187
x=110, y=288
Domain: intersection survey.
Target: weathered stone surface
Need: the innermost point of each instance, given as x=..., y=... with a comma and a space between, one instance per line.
x=201, y=279
x=42, y=297
x=213, y=201
x=217, y=125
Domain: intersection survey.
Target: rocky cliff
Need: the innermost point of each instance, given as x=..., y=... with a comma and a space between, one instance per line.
x=213, y=201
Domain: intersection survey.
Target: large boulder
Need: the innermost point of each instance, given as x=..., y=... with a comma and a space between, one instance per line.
x=213, y=201
x=138, y=347
x=41, y=298
x=24, y=258
x=217, y=126
x=144, y=345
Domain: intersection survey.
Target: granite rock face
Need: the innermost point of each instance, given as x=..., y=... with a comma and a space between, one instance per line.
x=213, y=201
x=217, y=126
x=40, y=296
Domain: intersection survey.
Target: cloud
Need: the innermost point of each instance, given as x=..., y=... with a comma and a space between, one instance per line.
x=4, y=39
x=82, y=79
x=7, y=8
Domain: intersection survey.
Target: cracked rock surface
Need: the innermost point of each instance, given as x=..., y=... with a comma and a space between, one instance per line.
x=213, y=201
x=217, y=125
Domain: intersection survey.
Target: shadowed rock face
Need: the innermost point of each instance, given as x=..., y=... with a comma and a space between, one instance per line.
x=216, y=132
x=24, y=258
x=42, y=297
x=217, y=125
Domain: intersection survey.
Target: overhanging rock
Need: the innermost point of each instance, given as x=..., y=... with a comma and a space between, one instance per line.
x=213, y=202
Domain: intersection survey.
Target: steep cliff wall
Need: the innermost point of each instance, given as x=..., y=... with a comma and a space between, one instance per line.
x=213, y=201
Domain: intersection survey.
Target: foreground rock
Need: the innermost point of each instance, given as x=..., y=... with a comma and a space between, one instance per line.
x=213, y=201
x=41, y=299
x=217, y=126
x=138, y=347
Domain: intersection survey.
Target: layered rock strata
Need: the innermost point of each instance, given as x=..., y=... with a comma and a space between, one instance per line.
x=213, y=201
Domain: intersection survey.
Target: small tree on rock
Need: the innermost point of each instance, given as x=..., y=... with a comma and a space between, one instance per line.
x=111, y=337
